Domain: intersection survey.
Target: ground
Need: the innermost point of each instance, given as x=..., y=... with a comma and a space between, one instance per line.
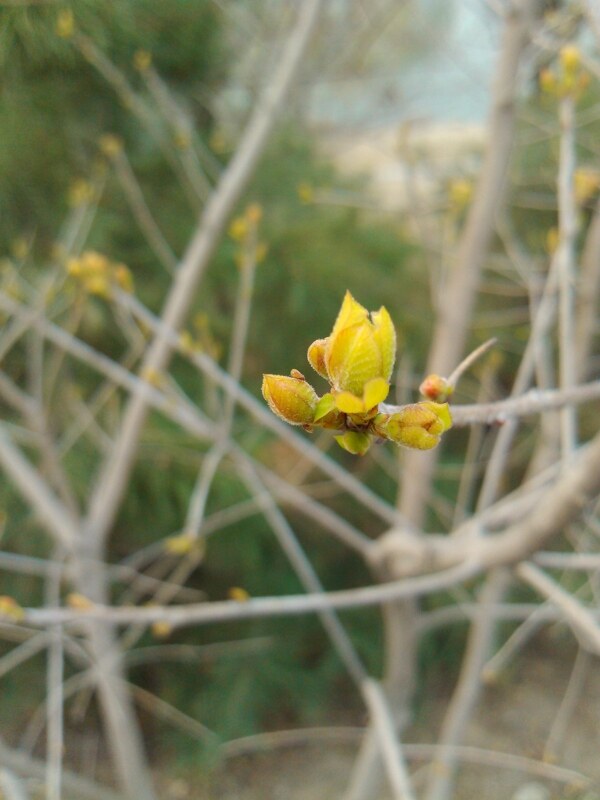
x=514, y=716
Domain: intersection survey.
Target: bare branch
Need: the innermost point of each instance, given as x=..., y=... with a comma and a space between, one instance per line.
x=54, y=516
x=536, y=401
x=579, y=618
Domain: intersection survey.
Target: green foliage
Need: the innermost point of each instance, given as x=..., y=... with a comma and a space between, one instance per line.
x=55, y=105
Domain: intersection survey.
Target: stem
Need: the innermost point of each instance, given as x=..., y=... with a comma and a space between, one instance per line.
x=567, y=226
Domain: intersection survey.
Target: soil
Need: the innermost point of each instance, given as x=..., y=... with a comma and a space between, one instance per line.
x=515, y=716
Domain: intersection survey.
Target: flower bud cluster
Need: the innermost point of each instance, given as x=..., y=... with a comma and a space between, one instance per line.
x=357, y=360
x=244, y=231
x=98, y=275
x=10, y=609
x=65, y=23
x=568, y=77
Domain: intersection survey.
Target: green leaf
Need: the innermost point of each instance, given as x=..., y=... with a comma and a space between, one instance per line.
x=324, y=406
x=354, y=442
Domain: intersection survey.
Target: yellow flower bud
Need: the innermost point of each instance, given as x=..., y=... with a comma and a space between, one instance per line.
x=239, y=594
x=123, y=278
x=254, y=213
x=552, y=240
x=187, y=343
x=98, y=285
x=110, y=145
x=586, y=183
x=548, y=82
x=292, y=399
x=161, y=629
x=374, y=392
x=238, y=229
x=142, y=60
x=10, y=609
x=306, y=193
x=570, y=58
x=79, y=602
x=153, y=376
x=418, y=426
x=316, y=357
x=74, y=267
x=65, y=23
x=80, y=193
x=359, y=351
x=461, y=193
x=180, y=545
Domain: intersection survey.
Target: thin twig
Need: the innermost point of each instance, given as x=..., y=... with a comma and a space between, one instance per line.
x=582, y=622
x=556, y=738
x=466, y=693
x=56, y=517
x=567, y=228
x=22, y=764
x=54, y=699
x=288, y=605
x=468, y=362
x=389, y=742
x=535, y=401
x=142, y=213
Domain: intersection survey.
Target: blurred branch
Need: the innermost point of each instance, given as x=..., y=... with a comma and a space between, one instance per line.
x=141, y=212
x=567, y=230
x=132, y=101
x=112, y=481
x=54, y=516
x=464, y=697
x=586, y=322
x=555, y=742
x=580, y=619
x=287, y=605
x=22, y=764
x=11, y=786
x=391, y=750
x=495, y=759
x=458, y=296
x=54, y=697
x=535, y=401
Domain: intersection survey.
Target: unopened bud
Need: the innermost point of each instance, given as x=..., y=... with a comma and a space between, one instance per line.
x=65, y=23
x=254, y=213
x=418, y=426
x=434, y=387
x=570, y=58
x=110, y=144
x=239, y=594
x=316, y=357
x=79, y=602
x=10, y=609
x=142, y=60
x=292, y=399
x=548, y=82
